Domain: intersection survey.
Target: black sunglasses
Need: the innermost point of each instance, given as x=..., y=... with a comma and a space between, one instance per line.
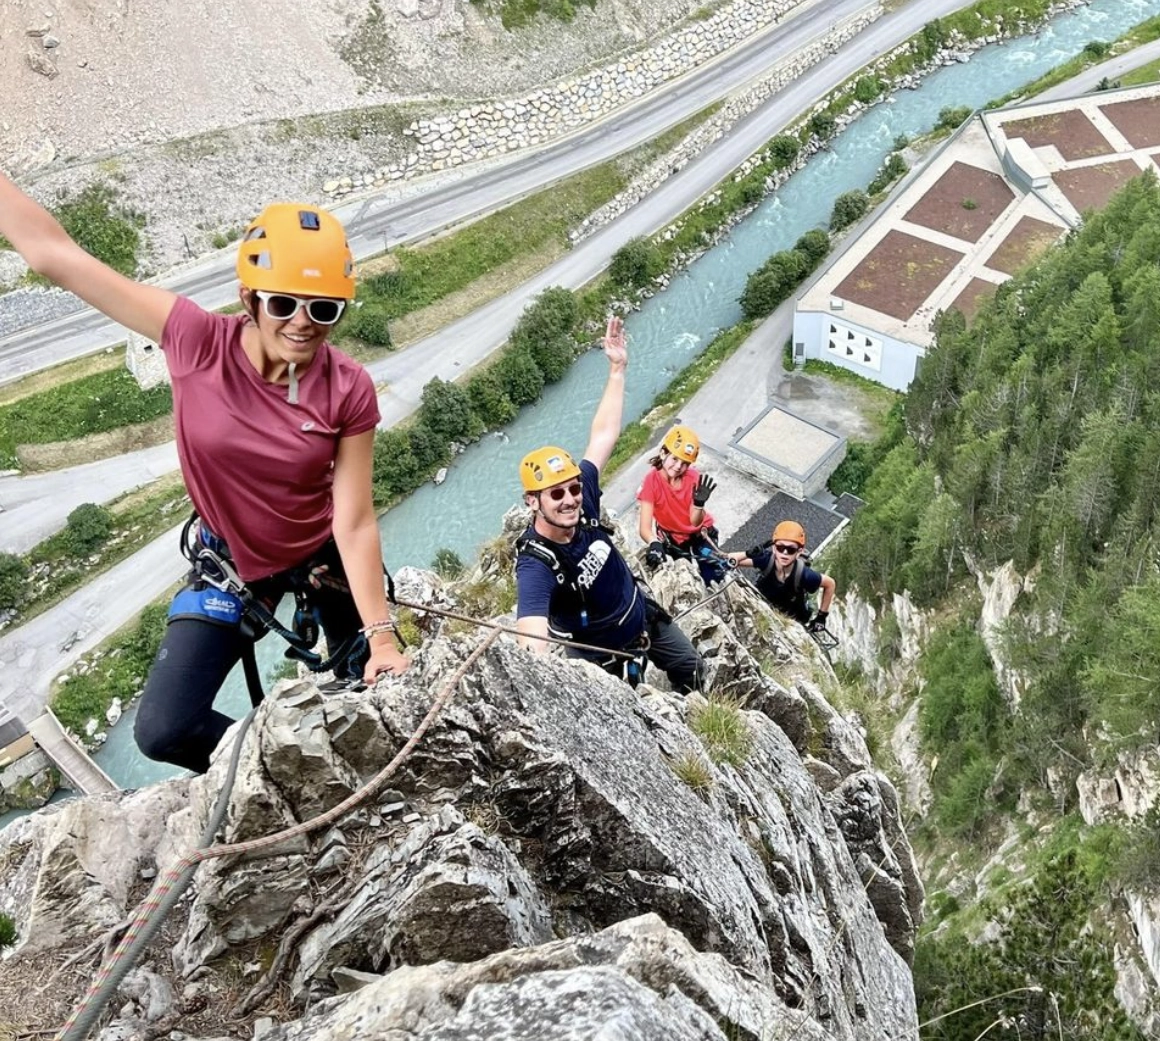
x=785, y=549
x=557, y=494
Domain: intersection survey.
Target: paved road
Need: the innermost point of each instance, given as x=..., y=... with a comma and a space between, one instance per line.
x=380, y=220
x=31, y=656
x=1111, y=69
x=456, y=348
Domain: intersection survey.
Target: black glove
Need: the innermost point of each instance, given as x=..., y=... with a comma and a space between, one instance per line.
x=654, y=556
x=817, y=624
x=703, y=490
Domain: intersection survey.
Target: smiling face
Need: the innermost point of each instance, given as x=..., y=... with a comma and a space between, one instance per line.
x=673, y=468
x=294, y=340
x=559, y=506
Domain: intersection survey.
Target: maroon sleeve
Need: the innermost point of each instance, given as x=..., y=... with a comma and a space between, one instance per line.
x=191, y=336
x=362, y=405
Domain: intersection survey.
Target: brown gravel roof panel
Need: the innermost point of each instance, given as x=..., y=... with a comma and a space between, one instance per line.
x=1090, y=187
x=964, y=202
x=1072, y=133
x=1029, y=239
x=972, y=297
x=898, y=274
x=1138, y=121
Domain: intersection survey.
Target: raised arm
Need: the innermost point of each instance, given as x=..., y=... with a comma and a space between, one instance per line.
x=606, y=423
x=46, y=247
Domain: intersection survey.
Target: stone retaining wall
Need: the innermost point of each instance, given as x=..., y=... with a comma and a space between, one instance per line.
x=492, y=129
x=729, y=114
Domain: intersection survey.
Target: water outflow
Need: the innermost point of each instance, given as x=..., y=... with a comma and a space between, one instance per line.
x=676, y=325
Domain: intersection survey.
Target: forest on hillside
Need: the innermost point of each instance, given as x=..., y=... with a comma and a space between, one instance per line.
x=1032, y=436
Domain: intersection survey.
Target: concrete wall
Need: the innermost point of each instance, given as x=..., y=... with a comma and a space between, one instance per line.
x=893, y=363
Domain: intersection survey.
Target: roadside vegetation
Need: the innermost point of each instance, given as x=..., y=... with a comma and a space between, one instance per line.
x=93, y=540
x=516, y=13
x=117, y=671
x=100, y=223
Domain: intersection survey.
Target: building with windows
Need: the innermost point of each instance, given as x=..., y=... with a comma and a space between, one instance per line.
x=1003, y=189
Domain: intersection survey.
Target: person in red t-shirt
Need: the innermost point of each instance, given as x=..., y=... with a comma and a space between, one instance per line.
x=275, y=432
x=672, y=497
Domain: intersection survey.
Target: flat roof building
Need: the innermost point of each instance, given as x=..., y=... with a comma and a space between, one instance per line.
x=1004, y=188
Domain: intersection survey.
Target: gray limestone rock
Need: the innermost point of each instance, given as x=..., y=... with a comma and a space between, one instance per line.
x=542, y=803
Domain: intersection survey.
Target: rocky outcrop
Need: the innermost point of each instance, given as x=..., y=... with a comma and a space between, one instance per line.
x=536, y=867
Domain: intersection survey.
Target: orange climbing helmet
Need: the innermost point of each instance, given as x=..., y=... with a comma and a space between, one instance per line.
x=545, y=467
x=683, y=443
x=790, y=531
x=298, y=249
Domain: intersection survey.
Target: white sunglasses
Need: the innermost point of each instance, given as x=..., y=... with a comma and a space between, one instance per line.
x=282, y=307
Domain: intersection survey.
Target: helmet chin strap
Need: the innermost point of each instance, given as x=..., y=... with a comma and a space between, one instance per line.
x=292, y=397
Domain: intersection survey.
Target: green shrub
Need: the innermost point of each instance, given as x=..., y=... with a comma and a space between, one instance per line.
x=970, y=204
x=1096, y=49
x=823, y=125
x=814, y=244
x=8, y=932
x=776, y=279
x=519, y=375
x=447, y=564
x=636, y=264
x=867, y=89
x=894, y=167
x=445, y=410
x=849, y=207
x=489, y=400
x=13, y=576
x=772, y=283
x=783, y=150
x=107, y=230
x=552, y=314
x=953, y=116
x=370, y=323
x=88, y=527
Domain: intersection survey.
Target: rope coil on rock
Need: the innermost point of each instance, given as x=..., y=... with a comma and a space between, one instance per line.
x=170, y=886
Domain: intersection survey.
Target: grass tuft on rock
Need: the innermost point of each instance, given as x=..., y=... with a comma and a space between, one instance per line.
x=723, y=730
x=693, y=771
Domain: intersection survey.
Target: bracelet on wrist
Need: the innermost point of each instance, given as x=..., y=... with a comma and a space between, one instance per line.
x=386, y=625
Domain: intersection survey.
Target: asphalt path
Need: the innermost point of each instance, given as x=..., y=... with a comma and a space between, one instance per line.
x=31, y=517
x=31, y=655
x=380, y=220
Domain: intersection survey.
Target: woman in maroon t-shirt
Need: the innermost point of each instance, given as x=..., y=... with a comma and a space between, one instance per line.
x=297, y=498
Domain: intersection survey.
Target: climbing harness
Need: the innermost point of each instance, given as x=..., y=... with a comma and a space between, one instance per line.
x=703, y=550
x=216, y=593
x=532, y=544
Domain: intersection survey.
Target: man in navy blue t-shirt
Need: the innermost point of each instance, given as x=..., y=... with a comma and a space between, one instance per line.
x=571, y=580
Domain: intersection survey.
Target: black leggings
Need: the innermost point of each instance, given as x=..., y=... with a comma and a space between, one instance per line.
x=176, y=721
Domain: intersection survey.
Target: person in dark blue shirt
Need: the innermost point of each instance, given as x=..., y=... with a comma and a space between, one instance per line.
x=785, y=580
x=571, y=580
